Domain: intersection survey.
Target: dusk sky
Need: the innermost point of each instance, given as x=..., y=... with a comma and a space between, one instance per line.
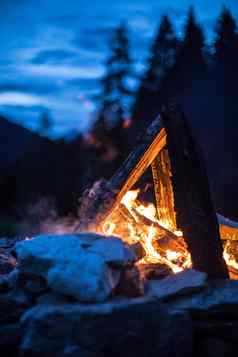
x=53, y=51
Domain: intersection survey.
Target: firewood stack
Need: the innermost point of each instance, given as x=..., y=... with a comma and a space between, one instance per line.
x=182, y=196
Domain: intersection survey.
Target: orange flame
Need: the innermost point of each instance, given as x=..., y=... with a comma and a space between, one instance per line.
x=175, y=260
x=230, y=261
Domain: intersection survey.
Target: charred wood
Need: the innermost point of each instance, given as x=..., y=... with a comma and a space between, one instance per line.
x=98, y=202
x=152, y=271
x=161, y=171
x=195, y=214
x=165, y=238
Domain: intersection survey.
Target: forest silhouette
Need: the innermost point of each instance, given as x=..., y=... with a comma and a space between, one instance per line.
x=201, y=77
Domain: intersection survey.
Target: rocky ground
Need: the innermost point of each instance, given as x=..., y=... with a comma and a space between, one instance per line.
x=81, y=295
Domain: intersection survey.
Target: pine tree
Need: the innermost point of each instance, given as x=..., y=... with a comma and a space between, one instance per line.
x=226, y=42
x=225, y=79
x=190, y=62
x=225, y=73
x=114, y=104
x=161, y=58
x=116, y=94
x=184, y=81
x=162, y=54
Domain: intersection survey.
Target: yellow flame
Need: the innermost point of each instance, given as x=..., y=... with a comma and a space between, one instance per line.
x=228, y=258
x=129, y=198
x=178, y=233
x=108, y=227
x=175, y=260
x=148, y=211
x=153, y=256
x=172, y=255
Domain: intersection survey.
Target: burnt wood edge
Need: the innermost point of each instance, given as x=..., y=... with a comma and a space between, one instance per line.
x=195, y=214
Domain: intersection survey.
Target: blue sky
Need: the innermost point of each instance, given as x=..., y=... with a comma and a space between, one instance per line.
x=53, y=51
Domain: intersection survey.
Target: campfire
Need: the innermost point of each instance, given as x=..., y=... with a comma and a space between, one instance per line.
x=115, y=208
x=136, y=222
x=176, y=230
x=153, y=261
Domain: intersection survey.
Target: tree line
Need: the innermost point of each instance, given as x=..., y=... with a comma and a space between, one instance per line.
x=203, y=78
x=201, y=75
x=180, y=68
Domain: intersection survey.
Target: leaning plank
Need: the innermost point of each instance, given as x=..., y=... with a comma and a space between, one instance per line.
x=228, y=228
x=161, y=171
x=195, y=216
x=150, y=144
x=99, y=202
x=164, y=236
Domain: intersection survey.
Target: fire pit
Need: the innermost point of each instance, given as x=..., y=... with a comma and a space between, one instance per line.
x=132, y=278
x=81, y=294
x=181, y=230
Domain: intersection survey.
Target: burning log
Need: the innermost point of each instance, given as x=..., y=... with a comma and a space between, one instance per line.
x=140, y=159
x=161, y=171
x=194, y=210
x=94, y=203
x=120, y=222
x=99, y=202
x=189, y=192
x=154, y=271
x=127, y=215
x=228, y=228
x=165, y=238
x=233, y=273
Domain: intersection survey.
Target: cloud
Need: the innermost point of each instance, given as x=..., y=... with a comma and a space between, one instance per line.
x=12, y=98
x=63, y=71
x=86, y=85
x=54, y=57
x=32, y=86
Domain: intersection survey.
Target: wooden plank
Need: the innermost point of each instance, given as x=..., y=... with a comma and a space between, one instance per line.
x=162, y=234
x=99, y=202
x=157, y=186
x=161, y=171
x=228, y=228
x=137, y=162
x=195, y=213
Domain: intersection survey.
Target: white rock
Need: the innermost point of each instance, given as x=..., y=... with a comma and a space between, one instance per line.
x=220, y=296
x=40, y=254
x=128, y=327
x=114, y=251
x=75, y=265
x=86, y=277
x=185, y=282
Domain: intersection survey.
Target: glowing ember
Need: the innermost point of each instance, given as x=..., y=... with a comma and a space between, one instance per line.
x=153, y=256
x=178, y=233
x=230, y=261
x=171, y=255
x=146, y=235
x=129, y=198
x=108, y=228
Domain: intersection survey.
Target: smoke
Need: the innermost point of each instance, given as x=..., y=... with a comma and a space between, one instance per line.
x=41, y=217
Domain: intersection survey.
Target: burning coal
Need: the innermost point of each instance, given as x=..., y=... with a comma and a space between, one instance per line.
x=134, y=222
x=140, y=224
